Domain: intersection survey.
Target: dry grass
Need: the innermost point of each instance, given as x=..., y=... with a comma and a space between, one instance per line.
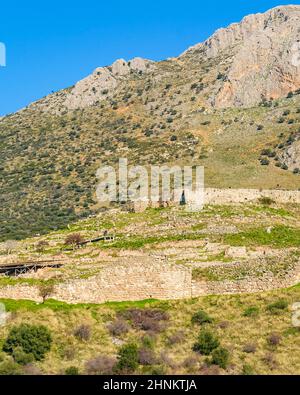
x=283, y=358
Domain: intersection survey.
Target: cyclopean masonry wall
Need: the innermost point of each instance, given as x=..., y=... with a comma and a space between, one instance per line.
x=247, y=285
x=147, y=279
x=228, y=196
x=129, y=281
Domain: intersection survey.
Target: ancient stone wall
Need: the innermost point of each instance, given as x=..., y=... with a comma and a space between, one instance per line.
x=247, y=285
x=227, y=196
x=132, y=281
x=129, y=281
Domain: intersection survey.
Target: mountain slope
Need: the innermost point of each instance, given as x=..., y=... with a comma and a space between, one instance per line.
x=153, y=113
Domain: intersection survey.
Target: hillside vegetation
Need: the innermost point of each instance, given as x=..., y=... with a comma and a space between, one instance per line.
x=221, y=104
x=256, y=331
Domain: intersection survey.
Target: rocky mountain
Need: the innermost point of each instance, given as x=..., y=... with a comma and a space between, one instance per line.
x=231, y=104
x=260, y=60
x=262, y=56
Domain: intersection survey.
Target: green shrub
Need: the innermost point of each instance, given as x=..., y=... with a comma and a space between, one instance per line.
x=10, y=368
x=266, y=201
x=248, y=370
x=72, y=371
x=251, y=311
x=127, y=358
x=21, y=357
x=277, y=306
x=220, y=357
x=264, y=162
x=158, y=370
x=201, y=317
x=206, y=342
x=31, y=339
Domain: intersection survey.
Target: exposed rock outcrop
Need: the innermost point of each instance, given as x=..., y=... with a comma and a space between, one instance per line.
x=103, y=82
x=265, y=57
x=291, y=156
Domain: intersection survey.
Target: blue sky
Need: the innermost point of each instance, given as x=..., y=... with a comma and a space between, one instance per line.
x=51, y=45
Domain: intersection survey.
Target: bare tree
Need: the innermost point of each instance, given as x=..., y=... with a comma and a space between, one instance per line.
x=74, y=240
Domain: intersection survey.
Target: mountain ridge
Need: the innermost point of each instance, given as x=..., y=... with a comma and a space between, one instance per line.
x=258, y=67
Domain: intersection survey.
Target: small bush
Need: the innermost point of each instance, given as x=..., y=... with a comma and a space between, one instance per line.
x=148, y=341
x=100, y=365
x=201, y=317
x=32, y=339
x=264, y=162
x=190, y=363
x=127, y=358
x=223, y=324
x=118, y=327
x=251, y=311
x=146, y=356
x=21, y=357
x=83, y=332
x=158, y=370
x=266, y=201
x=278, y=306
x=274, y=339
x=266, y=152
x=10, y=368
x=72, y=371
x=220, y=357
x=147, y=319
x=247, y=370
x=270, y=361
x=249, y=348
x=206, y=342
x=175, y=338
x=41, y=245
x=68, y=352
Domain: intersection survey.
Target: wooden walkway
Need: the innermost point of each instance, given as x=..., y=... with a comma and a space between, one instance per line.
x=15, y=269
x=100, y=238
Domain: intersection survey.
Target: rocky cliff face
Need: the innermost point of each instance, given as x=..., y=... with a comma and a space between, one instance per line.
x=265, y=57
x=103, y=82
x=291, y=156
